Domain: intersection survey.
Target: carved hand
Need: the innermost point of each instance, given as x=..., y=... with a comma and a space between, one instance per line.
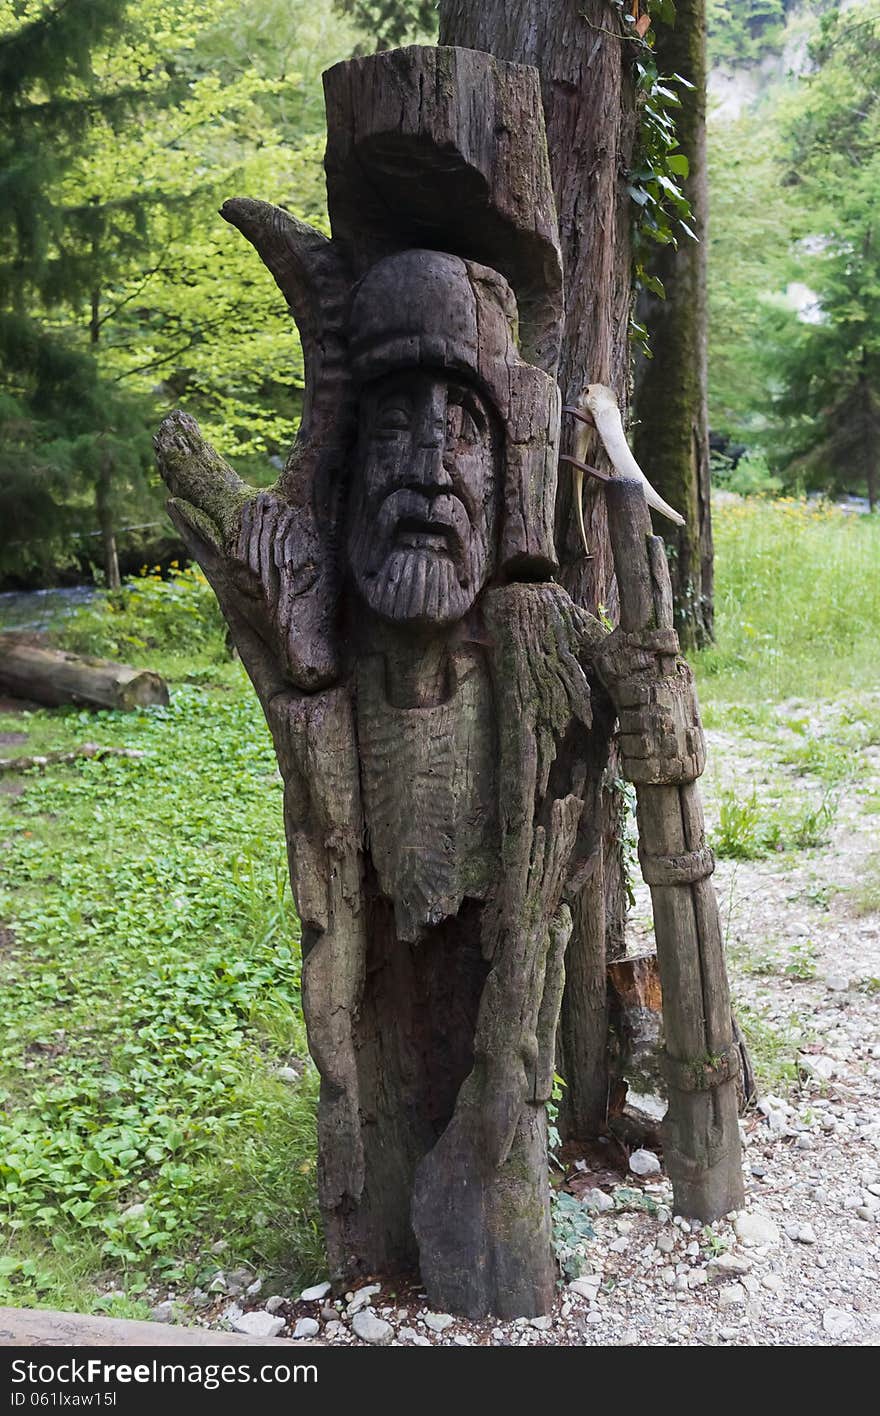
x=652, y=687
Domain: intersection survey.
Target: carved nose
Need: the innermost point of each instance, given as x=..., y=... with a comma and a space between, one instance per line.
x=430, y=469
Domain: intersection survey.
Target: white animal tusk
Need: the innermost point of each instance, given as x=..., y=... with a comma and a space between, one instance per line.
x=601, y=402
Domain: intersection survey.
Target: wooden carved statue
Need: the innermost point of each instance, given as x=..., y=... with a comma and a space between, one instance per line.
x=433, y=695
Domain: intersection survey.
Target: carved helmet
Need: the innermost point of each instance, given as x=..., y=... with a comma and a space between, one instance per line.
x=421, y=308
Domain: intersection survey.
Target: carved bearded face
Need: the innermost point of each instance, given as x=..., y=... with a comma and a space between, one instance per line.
x=422, y=528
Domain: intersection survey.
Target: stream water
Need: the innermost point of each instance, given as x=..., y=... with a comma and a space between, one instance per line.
x=37, y=610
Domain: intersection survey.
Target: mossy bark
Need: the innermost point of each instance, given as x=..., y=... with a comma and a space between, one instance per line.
x=671, y=433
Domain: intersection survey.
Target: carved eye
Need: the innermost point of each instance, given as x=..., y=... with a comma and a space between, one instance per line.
x=393, y=417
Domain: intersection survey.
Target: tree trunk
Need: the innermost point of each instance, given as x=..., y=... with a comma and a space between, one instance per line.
x=112, y=578
x=52, y=677
x=589, y=110
x=671, y=434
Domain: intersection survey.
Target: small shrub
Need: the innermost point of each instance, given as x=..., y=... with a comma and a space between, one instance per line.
x=739, y=834
x=174, y=615
x=572, y=1227
x=748, y=830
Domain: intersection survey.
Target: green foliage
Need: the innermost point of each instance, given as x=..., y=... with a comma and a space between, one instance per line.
x=117, y=262
x=661, y=211
x=753, y=826
x=389, y=23
x=554, y=1140
x=750, y=477
x=151, y=981
x=744, y=31
x=776, y=634
x=773, y=1044
x=572, y=1228
x=867, y=893
x=829, y=403
x=175, y=615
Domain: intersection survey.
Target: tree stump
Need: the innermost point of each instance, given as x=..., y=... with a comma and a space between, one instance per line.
x=428, y=685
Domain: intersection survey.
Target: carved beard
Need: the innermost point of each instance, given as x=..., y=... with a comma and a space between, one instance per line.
x=420, y=561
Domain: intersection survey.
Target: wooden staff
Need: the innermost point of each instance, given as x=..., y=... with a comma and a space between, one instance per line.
x=701, y=1140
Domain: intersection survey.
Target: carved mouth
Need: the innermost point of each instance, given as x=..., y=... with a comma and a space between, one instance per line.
x=417, y=533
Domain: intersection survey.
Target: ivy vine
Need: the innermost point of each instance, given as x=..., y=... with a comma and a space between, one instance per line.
x=661, y=211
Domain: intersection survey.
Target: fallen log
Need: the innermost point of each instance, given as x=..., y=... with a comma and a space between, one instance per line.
x=54, y=677
x=63, y=759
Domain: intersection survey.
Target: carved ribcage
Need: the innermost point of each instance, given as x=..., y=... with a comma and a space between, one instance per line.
x=428, y=795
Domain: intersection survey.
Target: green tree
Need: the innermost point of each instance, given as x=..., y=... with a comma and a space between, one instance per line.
x=192, y=101
x=388, y=23
x=829, y=401
x=60, y=431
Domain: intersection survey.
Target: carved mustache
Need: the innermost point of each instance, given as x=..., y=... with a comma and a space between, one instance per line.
x=440, y=513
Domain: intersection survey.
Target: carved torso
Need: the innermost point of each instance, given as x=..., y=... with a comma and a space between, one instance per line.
x=429, y=793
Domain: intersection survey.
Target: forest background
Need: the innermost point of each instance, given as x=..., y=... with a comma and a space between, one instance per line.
x=123, y=293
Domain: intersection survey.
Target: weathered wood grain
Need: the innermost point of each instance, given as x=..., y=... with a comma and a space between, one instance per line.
x=661, y=744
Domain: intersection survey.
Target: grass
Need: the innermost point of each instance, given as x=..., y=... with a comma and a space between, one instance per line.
x=867, y=895
x=797, y=602
x=151, y=990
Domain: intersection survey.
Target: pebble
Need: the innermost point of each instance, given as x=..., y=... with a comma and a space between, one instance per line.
x=362, y=1297
x=306, y=1327
x=218, y=1283
x=586, y=1287
x=330, y=1315
x=837, y=983
x=288, y=1074
x=461, y=1339
x=644, y=1162
x=274, y=1303
x=818, y=1066
x=665, y=1243
x=597, y=1201
x=406, y=1334
x=438, y=1322
x=259, y=1325
x=755, y=1229
x=837, y=1322
x=806, y=1234
x=333, y=1331
x=162, y=1313
x=371, y=1329
x=731, y=1295
x=254, y=1289
x=317, y=1292
x=543, y=1323
x=773, y=1282
x=726, y=1266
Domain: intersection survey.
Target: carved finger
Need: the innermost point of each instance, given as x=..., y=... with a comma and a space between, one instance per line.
x=195, y=474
